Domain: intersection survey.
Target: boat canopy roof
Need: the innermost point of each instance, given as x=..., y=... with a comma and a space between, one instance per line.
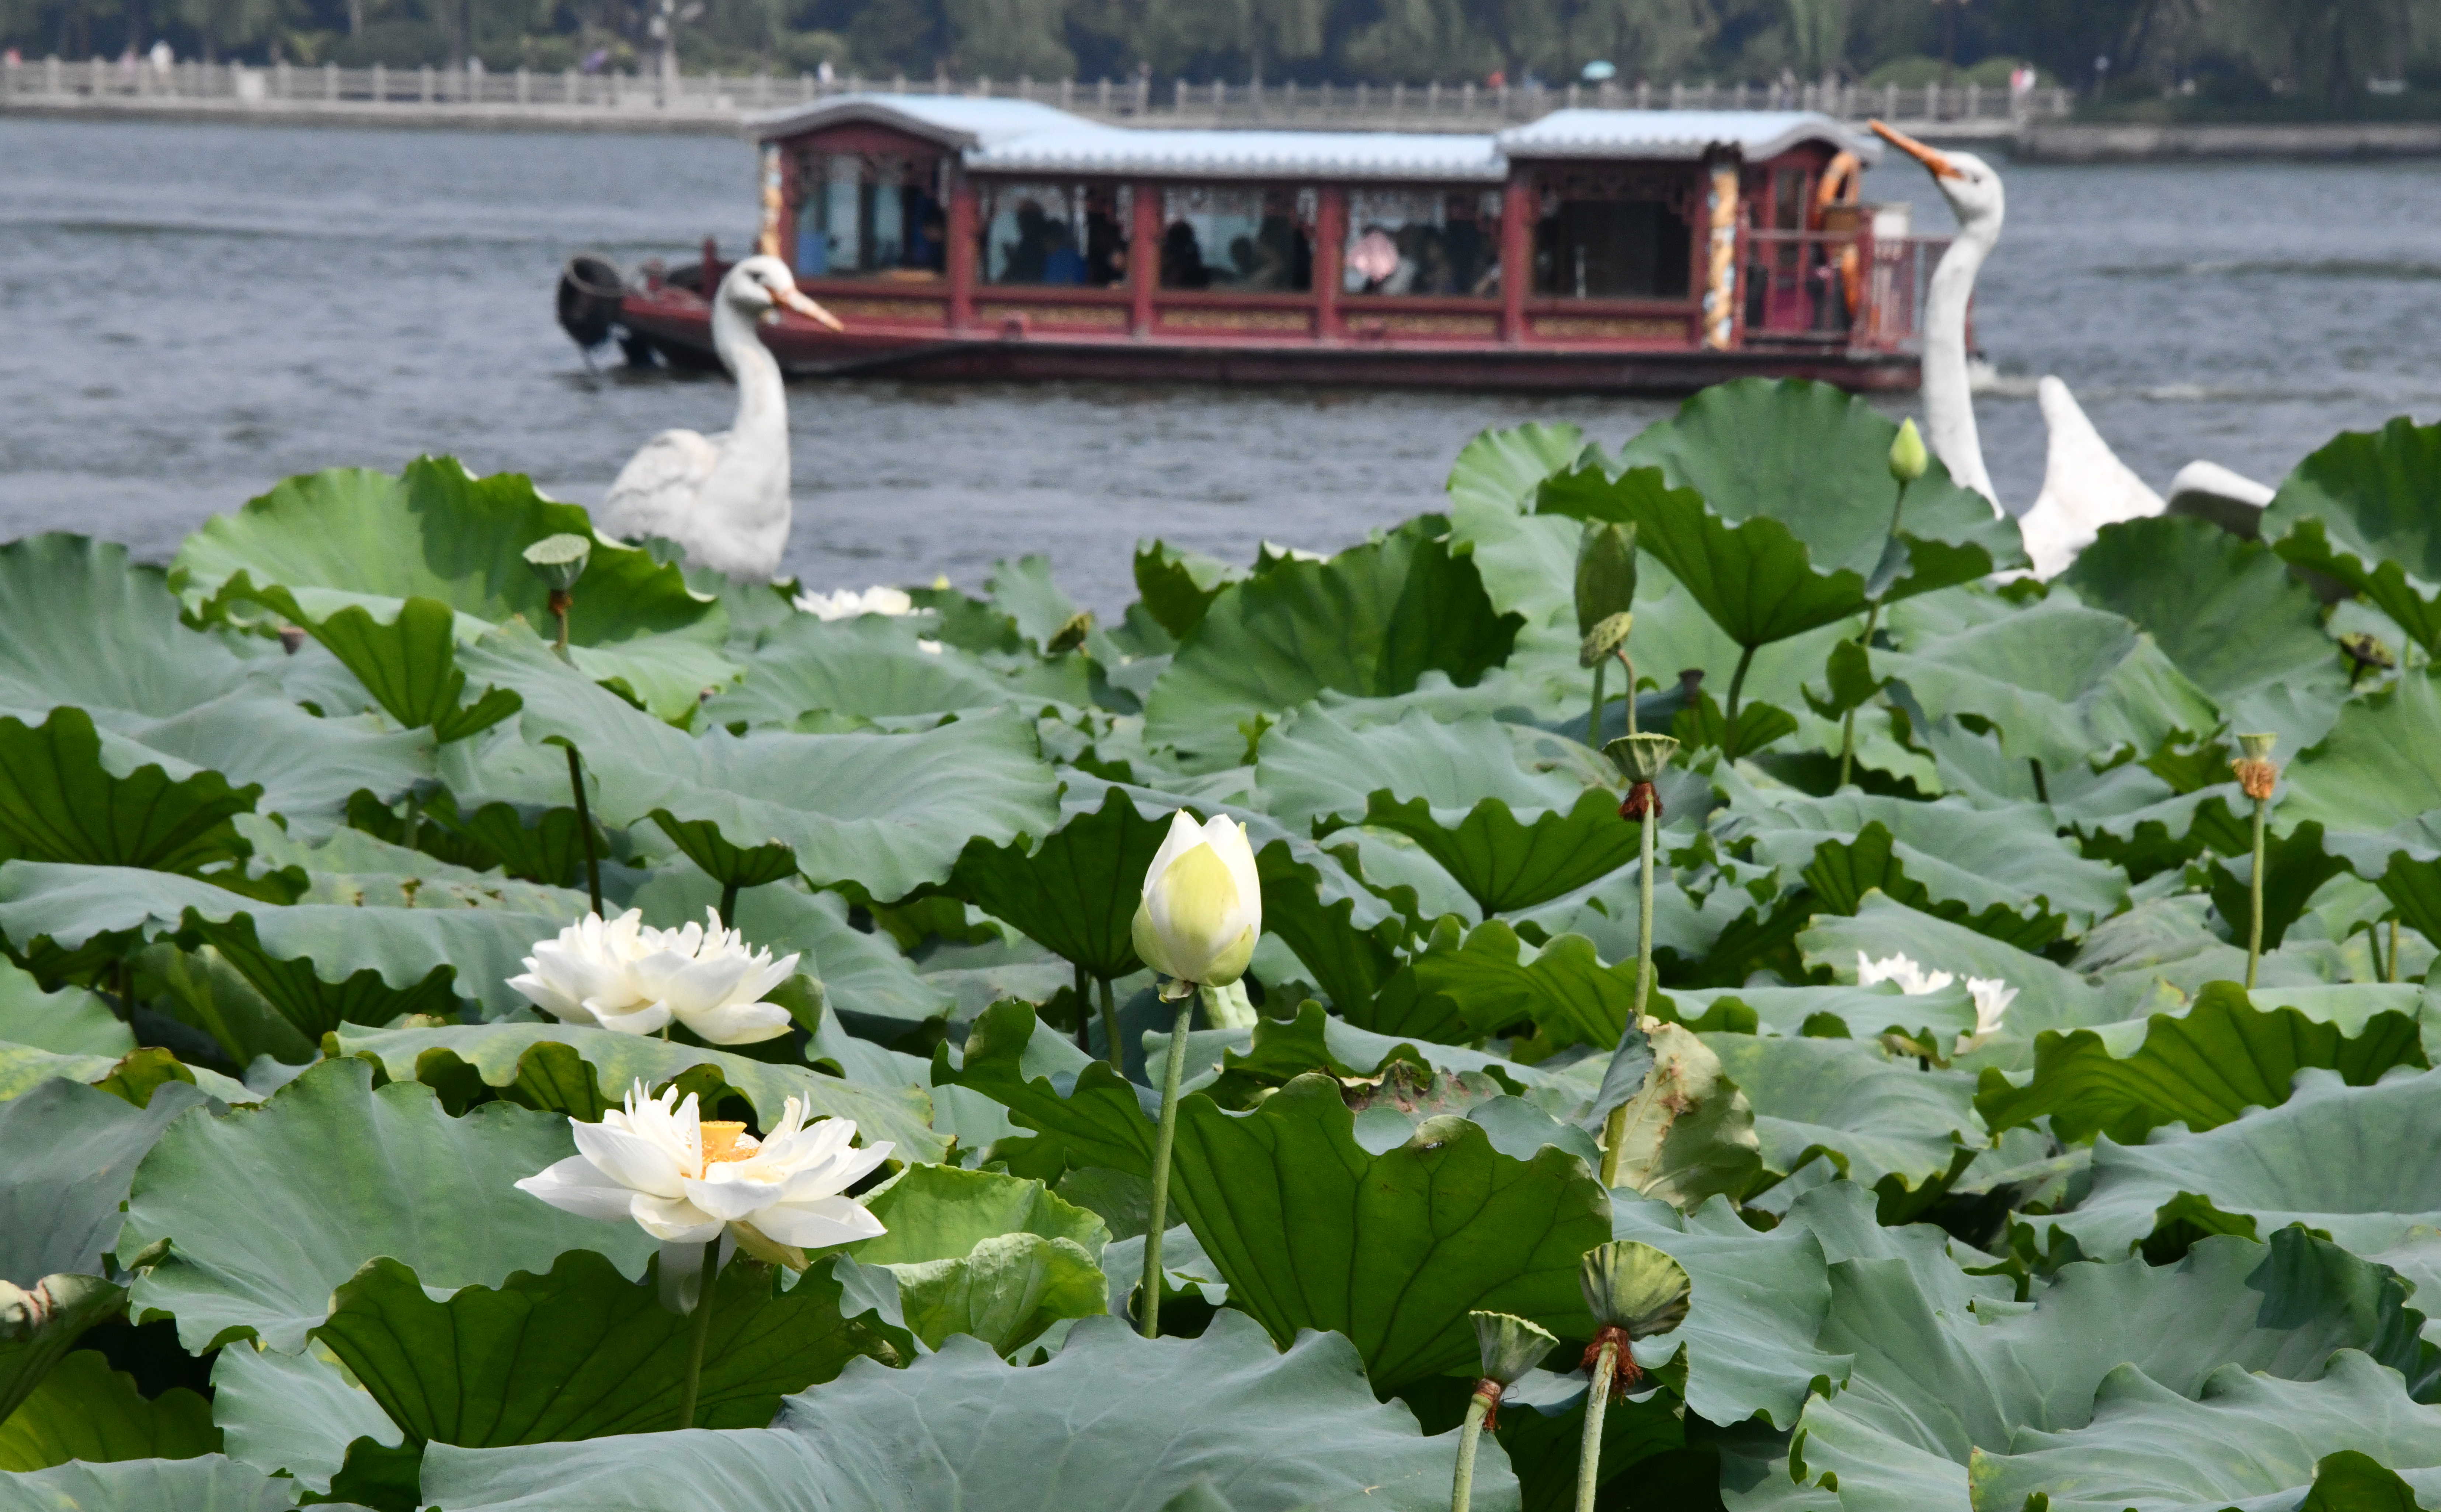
x=1021, y=136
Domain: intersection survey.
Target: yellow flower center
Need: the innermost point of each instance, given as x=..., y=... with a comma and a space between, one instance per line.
x=720, y=1142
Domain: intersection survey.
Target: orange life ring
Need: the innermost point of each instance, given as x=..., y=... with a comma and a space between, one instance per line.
x=1842, y=179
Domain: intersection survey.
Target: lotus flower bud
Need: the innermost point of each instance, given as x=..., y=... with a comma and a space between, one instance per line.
x=2257, y=773
x=1908, y=459
x=1605, y=574
x=1203, y=907
x=1510, y=1345
x=1072, y=633
x=559, y=560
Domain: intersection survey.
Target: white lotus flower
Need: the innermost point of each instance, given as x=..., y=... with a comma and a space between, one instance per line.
x=929, y=648
x=1203, y=907
x=1912, y=978
x=687, y=1182
x=1992, y=995
x=625, y=977
x=847, y=604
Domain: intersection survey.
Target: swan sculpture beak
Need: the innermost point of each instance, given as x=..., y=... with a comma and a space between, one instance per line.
x=1938, y=166
x=804, y=306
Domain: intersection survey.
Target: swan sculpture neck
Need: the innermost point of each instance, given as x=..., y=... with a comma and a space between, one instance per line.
x=748, y=490
x=1949, y=392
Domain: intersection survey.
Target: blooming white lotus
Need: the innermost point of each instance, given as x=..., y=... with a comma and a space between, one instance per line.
x=1203, y=907
x=847, y=604
x=687, y=1182
x=625, y=976
x=1991, y=995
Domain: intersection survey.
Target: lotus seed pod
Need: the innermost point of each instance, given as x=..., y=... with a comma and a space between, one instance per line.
x=1510, y=1345
x=1908, y=459
x=1605, y=573
x=559, y=560
x=1634, y=1287
x=2257, y=773
x=1604, y=639
x=1641, y=758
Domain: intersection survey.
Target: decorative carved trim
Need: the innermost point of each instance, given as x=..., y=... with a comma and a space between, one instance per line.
x=1296, y=321
x=1099, y=316
x=1680, y=188
x=928, y=312
x=1636, y=328
x=1483, y=327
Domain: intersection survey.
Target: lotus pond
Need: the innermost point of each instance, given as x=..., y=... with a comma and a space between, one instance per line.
x=2030, y=1107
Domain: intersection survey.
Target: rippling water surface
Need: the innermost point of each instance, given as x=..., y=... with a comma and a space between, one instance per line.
x=195, y=311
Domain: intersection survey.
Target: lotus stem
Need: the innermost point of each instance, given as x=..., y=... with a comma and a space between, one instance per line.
x=2392, y=973
x=1614, y=1127
x=1597, y=1403
x=1630, y=689
x=1462, y=1485
x=1111, y=1046
x=701, y=1331
x=2254, y=898
x=1084, y=1010
x=414, y=825
x=1593, y=718
x=1737, y=685
x=1848, y=723
x=2042, y=787
x=1171, y=1074
x=560, y=601
x=585, y=829
x=728, y=905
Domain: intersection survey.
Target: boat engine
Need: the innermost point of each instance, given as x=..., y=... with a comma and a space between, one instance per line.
x=590, y=288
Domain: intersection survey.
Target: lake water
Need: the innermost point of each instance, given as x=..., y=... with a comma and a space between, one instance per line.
x=195, y=311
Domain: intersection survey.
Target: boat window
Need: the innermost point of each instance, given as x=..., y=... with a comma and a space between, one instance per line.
x=1256, y=240
x=1072, y=234
x=860, y=215
x=1612, y=237
x=1434, y=241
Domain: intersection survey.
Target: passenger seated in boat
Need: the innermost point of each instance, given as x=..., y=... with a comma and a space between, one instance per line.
x=1182, y=258
x=1281, y=242
x=1372, y=262
x=1022, y=259
x=928, y=248
x=1062, y=262
x=1106, y=249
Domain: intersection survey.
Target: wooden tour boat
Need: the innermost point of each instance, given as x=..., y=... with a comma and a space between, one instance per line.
x=1608, y=250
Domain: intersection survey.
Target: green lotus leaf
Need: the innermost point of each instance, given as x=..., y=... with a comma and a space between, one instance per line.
x=1528, y=565
x=871, y=668
x=73, y=1150
x=1137, y=1422
x=2208, y=1065
x=1369, y=622
x=294, y=1414
x=319, y=544
x=1883, y=1123
x=320, y=965
x=2062, y=684
x=1688, y=1133
x=889, y=813
x=984, y=1253
x=70, y=1021
x=1177, y=587
x=1935, y=1382
x=2360, y=510
x=2374, y=772
x=61, y=800
x=2345, y=1160
x=1999, y=871
x=1857, y=1013
x=41, y=1323
x=2295, y=866
x=581, y=1351
x=1341, y=931
x=1772, y=503
x=267, y=1211
x=209, y=1482
x=532, y=842
x=2227, y=611
x=84, y=1410
x=1076, y=893
x=1277, y=1051
x=1495, y=981
x=408, y=662
x=2241, y=1438
x=1394, y=1107
x=364, y=871
x=1757, y=1302
x=1504, y=468
x=506, y=1055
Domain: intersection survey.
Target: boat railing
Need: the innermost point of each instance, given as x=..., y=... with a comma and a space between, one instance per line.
x=1837, y=288
x=1460, y=106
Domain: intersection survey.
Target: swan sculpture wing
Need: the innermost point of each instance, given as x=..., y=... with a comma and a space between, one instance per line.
x=2085, y=486
x=657, y=492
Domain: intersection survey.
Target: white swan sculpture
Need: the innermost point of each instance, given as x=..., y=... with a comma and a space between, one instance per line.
x=2085, y=484
x=725, y=497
